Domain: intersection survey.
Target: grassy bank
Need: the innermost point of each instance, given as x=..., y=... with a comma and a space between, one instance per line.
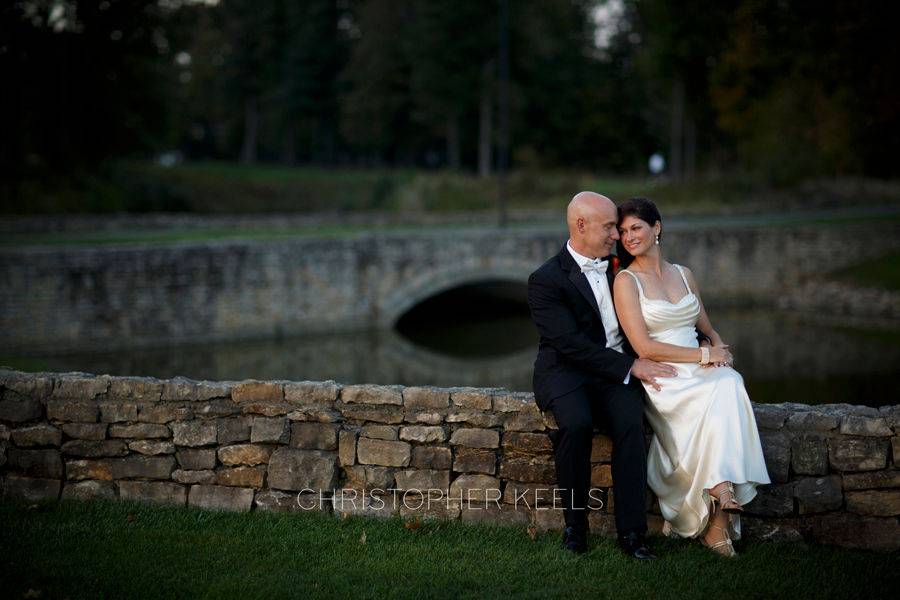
x=880, y=273
x=106, y=549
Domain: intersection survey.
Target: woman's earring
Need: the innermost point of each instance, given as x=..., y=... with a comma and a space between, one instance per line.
x=657, y=240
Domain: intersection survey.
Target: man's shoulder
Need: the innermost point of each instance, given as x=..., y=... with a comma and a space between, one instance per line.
x=550, y=268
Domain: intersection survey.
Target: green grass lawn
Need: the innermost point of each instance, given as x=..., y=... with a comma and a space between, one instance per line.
x=118, y=549
x=881, y=273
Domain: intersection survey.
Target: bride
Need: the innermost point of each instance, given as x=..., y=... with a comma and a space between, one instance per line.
x=705, y=459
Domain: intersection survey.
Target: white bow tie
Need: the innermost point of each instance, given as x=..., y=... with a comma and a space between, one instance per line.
x=595, y=265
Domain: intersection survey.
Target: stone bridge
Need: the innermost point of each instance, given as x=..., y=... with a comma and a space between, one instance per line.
x=117, y=296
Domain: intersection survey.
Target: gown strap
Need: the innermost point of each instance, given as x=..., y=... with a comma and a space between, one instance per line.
x=684, y=279
x=637, y=281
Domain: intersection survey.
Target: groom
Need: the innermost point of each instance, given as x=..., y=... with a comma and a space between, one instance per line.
x=583, y=375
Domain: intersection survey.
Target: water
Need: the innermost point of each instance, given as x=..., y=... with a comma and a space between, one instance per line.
x=782, y=357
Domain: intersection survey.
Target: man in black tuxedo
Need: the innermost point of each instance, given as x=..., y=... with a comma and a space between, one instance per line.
x=585, y=372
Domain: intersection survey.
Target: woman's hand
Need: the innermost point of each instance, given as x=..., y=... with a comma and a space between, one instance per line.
x=720, y=356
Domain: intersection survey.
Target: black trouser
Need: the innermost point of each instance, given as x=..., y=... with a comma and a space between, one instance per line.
x=618, y=411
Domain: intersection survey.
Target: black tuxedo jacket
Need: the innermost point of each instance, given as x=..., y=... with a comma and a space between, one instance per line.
x=572, y=349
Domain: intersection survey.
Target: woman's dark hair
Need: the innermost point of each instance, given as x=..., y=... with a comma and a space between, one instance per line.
x=643, y=209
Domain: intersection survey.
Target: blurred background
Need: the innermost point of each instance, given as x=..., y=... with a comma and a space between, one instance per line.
x=167, y=124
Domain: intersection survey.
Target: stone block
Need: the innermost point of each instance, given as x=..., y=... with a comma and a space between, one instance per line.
x=351, y=502
x=244, y=454
x=475, y=460
x=314, y=436
x=526, y=443
x=475, y=438
x=241, y=476
x=194, y=433
x=524, y=421
x=528, y=469
x=391, y=415
x=31, y=489
x=891, y=415
x=35, y=463
x=474, y=398
x=601, y=448
x=431, y=457
x=273, y=430
x=601, y=476
x=19, y=409
x=421, y=416
x=372, y=394
x=369, y=477
x=812, y=420
x=428, y=507
x=311, y=392
x=513, y=402
x=530, y=495
x=181, y=389
x=551, y=519
x=422, y=480
x=140, y=466
x=144, y=389
x=318, y=414
x=95, y=448
x=118, y=412
x=857, y=454
x=379, y=432
x=819, y=494
x=152, y=447
x=140, y=431
x=216, y=408
x=425, y=397
x=771, y=530
x=233, y=429
x=774, y=500
x=424, y=434
x=874, y=503
x=347, y=447
x=90, y=489
x=81, y=411
x=471, y=489
x=872, y=480
x=42, y=434
x=383, y=452
x=80, y=388
x=192, y=460
x=220, y=497
x=474, y=418
x=28, y=385
x=867, y=426
x=895, y=449
x=85, y=431
x=164, y=413
x=258, y=392
x=853, y=531
x=153, y=492
x=77, y=470
x=777, y=453
x=205, y=477
x=266, y=409
x=273, y=500
x=292, y=469
x=770, y=416
x=809, y=454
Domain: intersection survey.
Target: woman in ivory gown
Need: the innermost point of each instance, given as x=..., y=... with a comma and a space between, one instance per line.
x=705, y=459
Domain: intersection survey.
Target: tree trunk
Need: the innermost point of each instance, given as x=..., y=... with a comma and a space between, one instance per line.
x=676, y=131
x=251, y=130
x=453, y=149
x=486, y=121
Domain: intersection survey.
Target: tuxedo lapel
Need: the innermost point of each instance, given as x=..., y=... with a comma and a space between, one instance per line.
x=578, y=279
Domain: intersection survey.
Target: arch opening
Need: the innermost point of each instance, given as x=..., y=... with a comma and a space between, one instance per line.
x=480, y=319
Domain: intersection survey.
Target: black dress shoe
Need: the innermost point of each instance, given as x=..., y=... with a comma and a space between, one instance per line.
x=575, y=540
x=634, y=545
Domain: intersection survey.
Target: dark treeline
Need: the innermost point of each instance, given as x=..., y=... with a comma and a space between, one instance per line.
x=779, y=89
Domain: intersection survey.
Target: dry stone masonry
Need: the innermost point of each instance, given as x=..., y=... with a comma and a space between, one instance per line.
x=476, y=455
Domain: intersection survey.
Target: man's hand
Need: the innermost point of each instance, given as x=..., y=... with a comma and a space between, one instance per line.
x=647, y=371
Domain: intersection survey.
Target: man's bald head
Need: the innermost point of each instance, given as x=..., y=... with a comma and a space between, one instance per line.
x=592, y=224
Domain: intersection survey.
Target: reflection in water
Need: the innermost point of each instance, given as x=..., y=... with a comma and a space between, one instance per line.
x=781, y=358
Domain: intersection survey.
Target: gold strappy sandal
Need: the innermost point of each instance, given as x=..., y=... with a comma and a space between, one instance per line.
x=726, y=545
x=731, y=505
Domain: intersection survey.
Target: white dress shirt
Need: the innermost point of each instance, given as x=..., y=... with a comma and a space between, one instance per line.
x=603, y=295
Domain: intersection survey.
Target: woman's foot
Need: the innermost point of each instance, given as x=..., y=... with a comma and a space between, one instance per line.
x=723, y=495
x=717, y=539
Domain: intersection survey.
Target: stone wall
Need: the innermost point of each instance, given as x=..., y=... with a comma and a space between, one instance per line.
x=478, y=455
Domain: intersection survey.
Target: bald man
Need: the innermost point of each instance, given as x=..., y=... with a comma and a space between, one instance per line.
x=585, y=373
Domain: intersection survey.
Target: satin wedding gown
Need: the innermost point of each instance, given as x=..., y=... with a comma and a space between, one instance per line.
x=703, y=424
